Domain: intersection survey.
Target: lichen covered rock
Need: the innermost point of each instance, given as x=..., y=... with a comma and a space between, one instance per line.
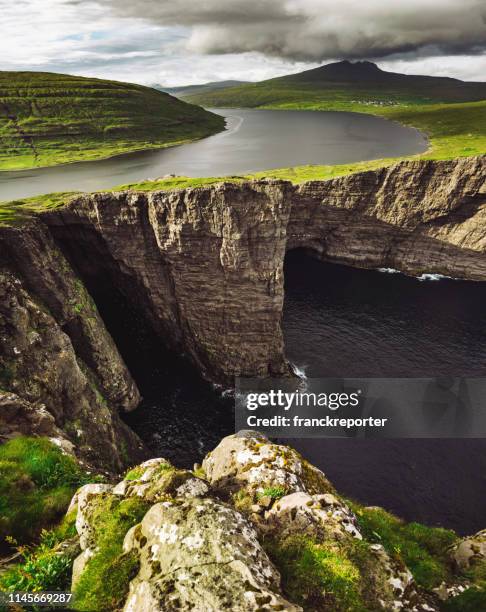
x=259, y=534
x=470, y=551
x=318, y=516
x=248, y=462
x=192, y=552
x=200, y=554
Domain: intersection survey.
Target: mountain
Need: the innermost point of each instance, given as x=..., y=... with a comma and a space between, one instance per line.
x=47, y=119
x=187, y=90
x=344, y=83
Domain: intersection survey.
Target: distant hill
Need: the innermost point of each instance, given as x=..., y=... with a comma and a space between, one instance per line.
x=344, y=83
x=48, y=119
x=187, y=90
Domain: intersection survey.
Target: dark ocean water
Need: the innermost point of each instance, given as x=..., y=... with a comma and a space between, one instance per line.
x=343, y=322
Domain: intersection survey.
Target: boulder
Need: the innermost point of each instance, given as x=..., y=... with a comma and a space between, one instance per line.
x=200, y=554
x=249, y=462
x=470, y=551
x=322, y=516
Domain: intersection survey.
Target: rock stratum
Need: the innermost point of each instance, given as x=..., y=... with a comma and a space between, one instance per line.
x=204, y=268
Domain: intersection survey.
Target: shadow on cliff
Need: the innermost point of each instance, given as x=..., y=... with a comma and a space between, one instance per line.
x=181, y=417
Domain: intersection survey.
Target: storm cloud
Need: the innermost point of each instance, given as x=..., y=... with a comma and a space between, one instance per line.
x=316, y=30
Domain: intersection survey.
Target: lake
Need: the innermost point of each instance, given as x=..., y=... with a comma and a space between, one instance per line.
x=255, y=140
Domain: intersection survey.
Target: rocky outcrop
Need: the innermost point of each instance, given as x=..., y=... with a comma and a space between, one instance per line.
x=200, y=554
x=198, y=545
x=205, y=265
x=470, y=552
x=57, y=357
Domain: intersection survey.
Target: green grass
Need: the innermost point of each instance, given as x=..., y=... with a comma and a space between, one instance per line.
x=179, y=182
x=37, y=482
x=43, y=567
x=422, y=549
x=17, y=210
x=104, y=583
x=48, y=119
x=273, y=492
x=317, y=576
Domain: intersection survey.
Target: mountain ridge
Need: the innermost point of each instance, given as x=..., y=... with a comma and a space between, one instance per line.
x=343, y=80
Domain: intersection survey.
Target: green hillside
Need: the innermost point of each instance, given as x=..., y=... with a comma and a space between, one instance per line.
x=344, y=85
x=186, y=90
x=48, y=119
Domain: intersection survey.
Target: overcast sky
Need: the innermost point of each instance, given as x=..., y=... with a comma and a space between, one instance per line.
x=178, y=42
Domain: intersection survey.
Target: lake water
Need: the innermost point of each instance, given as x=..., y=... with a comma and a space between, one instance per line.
x=341, y=322
x=255, y=140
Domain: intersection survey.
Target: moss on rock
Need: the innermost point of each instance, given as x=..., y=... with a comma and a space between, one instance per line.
x=423, y=549
x=103, y=585
x=318, y=576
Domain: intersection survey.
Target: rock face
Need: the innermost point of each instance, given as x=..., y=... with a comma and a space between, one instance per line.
x=205, y=265
x=200, y=554
x=57, y=357
x=198, y=547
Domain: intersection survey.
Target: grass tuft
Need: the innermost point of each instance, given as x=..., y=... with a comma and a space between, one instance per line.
x=423, y=549
x=37, y=482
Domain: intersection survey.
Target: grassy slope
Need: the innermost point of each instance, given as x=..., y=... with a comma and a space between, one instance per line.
x=37, y=482
x=451, y=113
x=48, y=119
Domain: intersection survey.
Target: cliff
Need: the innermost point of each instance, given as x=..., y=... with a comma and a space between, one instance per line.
x=203, y=267
x=56, y=356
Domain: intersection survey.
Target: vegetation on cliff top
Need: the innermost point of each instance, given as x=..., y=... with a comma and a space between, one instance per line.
x=422, y=549
x=48, y=119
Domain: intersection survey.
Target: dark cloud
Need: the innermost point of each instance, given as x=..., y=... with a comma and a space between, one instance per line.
x=316, y=30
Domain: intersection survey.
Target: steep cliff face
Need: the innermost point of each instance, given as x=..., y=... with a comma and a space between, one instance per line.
x=415, y=217
x=205, y=265
x=57, y=357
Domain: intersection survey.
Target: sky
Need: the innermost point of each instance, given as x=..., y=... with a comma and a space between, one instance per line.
x=179, y=42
